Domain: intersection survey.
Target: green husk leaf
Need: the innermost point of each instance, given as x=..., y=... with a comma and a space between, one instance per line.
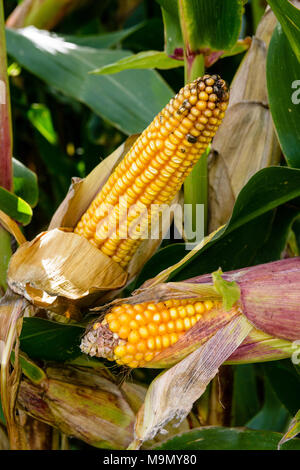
x=230, y=291
x=173, y=34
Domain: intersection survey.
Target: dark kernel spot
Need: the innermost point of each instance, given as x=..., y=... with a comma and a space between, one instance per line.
x=186, y=104
x=182, y=150
x=191, y=138
x=220, y=89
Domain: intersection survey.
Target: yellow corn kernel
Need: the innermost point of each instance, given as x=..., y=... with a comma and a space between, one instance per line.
x=154, y=169
x=152, y=328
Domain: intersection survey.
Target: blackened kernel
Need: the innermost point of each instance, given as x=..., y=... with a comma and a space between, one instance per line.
x=191, y=138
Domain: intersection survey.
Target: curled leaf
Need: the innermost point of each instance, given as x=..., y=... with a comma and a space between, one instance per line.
x=172, y=394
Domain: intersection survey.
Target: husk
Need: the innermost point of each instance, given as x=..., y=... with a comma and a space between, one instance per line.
x=80, y=403
x=4, y=443
x=163, y=275
x=58, y=266
x=261, y=347
x=171, y=395
x=236, y=155
x=268, y=298
x=33, y=434
x=211, y=322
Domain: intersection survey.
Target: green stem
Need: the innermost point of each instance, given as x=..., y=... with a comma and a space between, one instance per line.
x=196, y=185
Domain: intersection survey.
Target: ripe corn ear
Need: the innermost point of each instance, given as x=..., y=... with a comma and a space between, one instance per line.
x=154, y=169
x=133, y=335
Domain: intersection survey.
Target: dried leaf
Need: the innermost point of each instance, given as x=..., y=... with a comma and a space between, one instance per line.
x=12, y=227
x=236, y=155
x=59, y=266
x=172, y=394
x=4, y=443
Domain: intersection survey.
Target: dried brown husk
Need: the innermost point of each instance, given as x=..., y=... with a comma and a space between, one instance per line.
x=246, y=141
x=4, y=443
x=59, y=266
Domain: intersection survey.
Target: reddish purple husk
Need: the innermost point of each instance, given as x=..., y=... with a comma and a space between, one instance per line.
x=270, y=296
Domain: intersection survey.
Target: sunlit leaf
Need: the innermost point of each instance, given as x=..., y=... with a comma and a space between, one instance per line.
x=40, y=117
x=15, y=207
x=128, y=100
x=142, y=60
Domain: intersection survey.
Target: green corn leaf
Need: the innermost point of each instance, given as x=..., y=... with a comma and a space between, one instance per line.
x=40, y=117
x=142, y=60
x=15, y=207
x=129, y=100
x=289, y=17
x=214, y=24
x=283, y=80
x=25, y=183
x=50, y=341
x=219, y=438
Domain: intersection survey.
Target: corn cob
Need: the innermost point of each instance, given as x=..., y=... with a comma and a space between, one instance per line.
x=133, y=335
x=154, y=169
